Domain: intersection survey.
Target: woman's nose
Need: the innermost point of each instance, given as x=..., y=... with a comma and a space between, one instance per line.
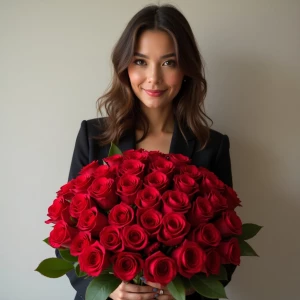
x=154, y=75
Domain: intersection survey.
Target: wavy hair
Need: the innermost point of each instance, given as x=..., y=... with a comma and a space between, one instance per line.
x=121, y=104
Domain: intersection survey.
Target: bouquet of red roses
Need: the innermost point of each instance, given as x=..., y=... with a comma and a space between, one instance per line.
x=147, y=214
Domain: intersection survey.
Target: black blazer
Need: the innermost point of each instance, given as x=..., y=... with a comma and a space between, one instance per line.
x=214, y=157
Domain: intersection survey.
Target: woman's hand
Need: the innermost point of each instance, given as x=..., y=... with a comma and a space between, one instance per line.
x=163, y=292
x=128, y=291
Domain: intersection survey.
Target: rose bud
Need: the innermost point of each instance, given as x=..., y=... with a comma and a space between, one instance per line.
x=186, y=184
x=230, y=252
x=55, y=210
x=175, y=201
x=79, y=203
x=126, y=265
x=173, y=230
x=81, y=241
x=213, y=262
x=111, y=238
x=94, y=259
x=229, y=224
x=132, y=167
x=135, y=237
x=232, y=198
x=157, y=180
x=150, y=220
x=62, y=235
x=121, y=215
x=127, y=188
x=190, y=258
x=90, y=168
x=92, y=220
x=160, y=268
x=149, y=197
x=206, y=235
x=103, y=191
x=201, y=211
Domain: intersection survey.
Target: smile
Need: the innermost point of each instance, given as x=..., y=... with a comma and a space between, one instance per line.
x=154, y=93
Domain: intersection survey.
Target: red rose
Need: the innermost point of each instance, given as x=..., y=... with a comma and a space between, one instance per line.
x=65, y=215
x=81, y=183
x=150, y=220
x=157, y=180
x=81, y=241
x=104, y=171
x=191, y=171
x=111, y=238
x=160, y=268
x=90, y=168
x=190, y=258
x=135, y=237
x=173, y=230
x=206, y=235
x=213, y=262
x=231, y=196
x=149, y=197
x=153, y=155
x=150, y=249
x=62, y=235
x=200, y=212
x=55, y=210
x=211, y=181
x=230, y=252
x=139, y=154
x=121, y=215
x=163, y=165
x=114, y=160
x=132, y=167
x=127, y=265
x=79, y=203
x=175, y=201
x=179, y=160
x=66, y=190
x=217, y=201
x=104, y=192
x=92, y=220
x=127, y=188
x=94, y=259
x=186, y=184
x=229, y=224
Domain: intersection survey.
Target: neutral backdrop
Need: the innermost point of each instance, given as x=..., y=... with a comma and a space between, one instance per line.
x=55, y=63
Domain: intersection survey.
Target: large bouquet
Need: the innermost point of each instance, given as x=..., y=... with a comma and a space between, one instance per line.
x=147, y=214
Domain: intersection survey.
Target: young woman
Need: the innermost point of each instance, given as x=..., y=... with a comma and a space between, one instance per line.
x=155, y=102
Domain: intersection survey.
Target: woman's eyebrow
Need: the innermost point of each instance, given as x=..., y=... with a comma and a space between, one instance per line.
x=164, y=56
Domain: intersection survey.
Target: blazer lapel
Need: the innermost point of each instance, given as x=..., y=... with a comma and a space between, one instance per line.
x=127, y=141
x=179, y=144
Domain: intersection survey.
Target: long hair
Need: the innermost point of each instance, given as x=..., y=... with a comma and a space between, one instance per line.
x=120, y=103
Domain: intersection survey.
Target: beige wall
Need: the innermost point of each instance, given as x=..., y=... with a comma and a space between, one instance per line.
x=54, y=63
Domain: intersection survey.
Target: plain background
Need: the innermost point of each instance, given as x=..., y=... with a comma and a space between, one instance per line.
x=55, y=63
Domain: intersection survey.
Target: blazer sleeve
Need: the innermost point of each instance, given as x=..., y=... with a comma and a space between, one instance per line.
x=222, y=168
x=80, y=159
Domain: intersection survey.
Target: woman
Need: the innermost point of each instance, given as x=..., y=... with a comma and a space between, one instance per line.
x=155, y=102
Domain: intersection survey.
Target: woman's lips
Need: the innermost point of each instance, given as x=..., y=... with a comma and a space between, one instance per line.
x=154, y=93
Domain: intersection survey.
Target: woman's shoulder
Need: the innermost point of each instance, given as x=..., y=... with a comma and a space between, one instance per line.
x=94, y=126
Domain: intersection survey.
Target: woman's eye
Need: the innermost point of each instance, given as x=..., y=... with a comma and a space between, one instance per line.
x=139, y=62
x=171, y=63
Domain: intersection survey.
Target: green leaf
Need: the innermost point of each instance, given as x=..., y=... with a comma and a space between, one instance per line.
x=249, y=231
x=186, y=282
x=46, y=240
x=246, y=249
x=208, y=287
x=222, y=275
x=114, y=150
x=54, y=267
x=78, y=272
x=65, y=254
x=101, y=287
x=176, y=288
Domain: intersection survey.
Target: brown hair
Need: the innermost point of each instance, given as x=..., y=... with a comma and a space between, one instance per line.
x=120, y=103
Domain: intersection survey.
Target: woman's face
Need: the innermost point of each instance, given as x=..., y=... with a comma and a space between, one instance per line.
x=153, y=72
